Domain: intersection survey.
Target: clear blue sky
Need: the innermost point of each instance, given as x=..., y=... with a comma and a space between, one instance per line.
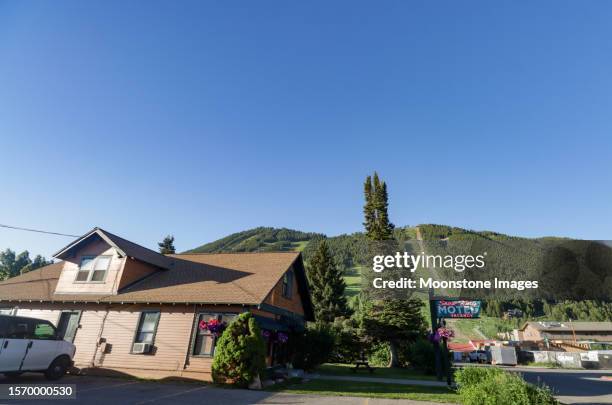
x=205, y=118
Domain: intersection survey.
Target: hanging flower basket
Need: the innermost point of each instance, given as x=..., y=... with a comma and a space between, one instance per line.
x=275, y=337
x=282, y=337
x=446, y=333
x=213, y=326
x=441, y=333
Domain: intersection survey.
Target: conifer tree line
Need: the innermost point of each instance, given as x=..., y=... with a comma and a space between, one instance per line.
x=13, y=264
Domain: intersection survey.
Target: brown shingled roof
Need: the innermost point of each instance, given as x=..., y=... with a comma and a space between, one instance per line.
x=232, y=278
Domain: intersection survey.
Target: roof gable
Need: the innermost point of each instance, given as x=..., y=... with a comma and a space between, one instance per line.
x=123, y=246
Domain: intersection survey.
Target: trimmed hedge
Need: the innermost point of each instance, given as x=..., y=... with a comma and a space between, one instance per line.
x=240, y=352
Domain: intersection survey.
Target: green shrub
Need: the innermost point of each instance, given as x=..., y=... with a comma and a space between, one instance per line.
x=347, y=347
x=379, y=355
x=420, y=355
x=313, y=347
x=240, y=352
x=540, y=395
x=494, y=386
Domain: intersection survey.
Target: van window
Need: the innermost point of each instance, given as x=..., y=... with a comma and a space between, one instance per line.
x=18, y=328
x=3, y=327
x=44, y=331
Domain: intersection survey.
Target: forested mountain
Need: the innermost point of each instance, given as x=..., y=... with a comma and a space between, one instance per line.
x=350, y=249
x=261, y=239
x=347, y=249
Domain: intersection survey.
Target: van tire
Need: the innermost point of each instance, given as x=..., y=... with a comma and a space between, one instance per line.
x=58, y=368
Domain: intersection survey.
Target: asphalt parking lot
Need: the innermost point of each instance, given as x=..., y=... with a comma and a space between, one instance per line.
x=92, y=390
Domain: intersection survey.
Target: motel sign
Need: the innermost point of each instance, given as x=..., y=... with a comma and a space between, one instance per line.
x=458, y=308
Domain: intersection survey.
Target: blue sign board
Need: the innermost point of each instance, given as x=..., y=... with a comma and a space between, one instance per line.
x=458, y=308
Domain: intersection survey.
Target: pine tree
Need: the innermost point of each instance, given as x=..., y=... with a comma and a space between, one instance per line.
x=369, y=211
x=390, y=320
x=385, y=227
x=377, y=224
x=394, y=321
x=167, y=245
x=327, y=285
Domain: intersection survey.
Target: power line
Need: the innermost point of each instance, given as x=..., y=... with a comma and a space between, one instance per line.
x=38, y=231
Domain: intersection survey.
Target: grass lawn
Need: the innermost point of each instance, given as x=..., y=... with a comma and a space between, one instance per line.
x=299, y=246
x=371, y=390
x=487, y=326
x=345, y=370
x=352, y=278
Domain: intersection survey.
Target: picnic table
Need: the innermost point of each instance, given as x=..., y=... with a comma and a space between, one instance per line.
x=363, y=364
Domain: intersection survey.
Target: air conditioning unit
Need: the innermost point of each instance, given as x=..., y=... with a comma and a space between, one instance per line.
x=141, y=348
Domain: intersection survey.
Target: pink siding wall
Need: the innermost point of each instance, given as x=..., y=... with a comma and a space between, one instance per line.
x=117, y=324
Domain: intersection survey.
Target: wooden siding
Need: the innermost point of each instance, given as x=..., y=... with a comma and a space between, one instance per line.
x=170, y=345
x=117, y=324
x=66, y=283
x=293, y=304
x=87, y=337
x=51, y=315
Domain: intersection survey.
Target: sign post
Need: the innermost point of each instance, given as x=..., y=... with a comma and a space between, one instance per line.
x=433, y=310
x=443, y=308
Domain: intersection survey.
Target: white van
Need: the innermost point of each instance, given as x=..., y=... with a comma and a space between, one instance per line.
x=29, y=344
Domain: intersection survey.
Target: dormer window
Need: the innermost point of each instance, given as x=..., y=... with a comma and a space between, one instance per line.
x=93, y=269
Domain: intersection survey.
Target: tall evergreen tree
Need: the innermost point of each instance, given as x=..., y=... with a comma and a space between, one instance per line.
x=377, y=224
x=369, y=211
x=390, y=320
x=167, y=245
x=385, y=227
x=327, y=285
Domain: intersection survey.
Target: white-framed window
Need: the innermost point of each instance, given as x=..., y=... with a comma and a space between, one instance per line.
x=203, y=341
x=93, y=269
x=147, y=327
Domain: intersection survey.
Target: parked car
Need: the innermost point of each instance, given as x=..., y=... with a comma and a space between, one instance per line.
x=478, y=356
x=29, y=344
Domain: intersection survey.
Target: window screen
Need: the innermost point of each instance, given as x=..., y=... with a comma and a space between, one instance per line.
x=93, y=268
x=100, y=267
x=147, y=326
x=85, y=268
